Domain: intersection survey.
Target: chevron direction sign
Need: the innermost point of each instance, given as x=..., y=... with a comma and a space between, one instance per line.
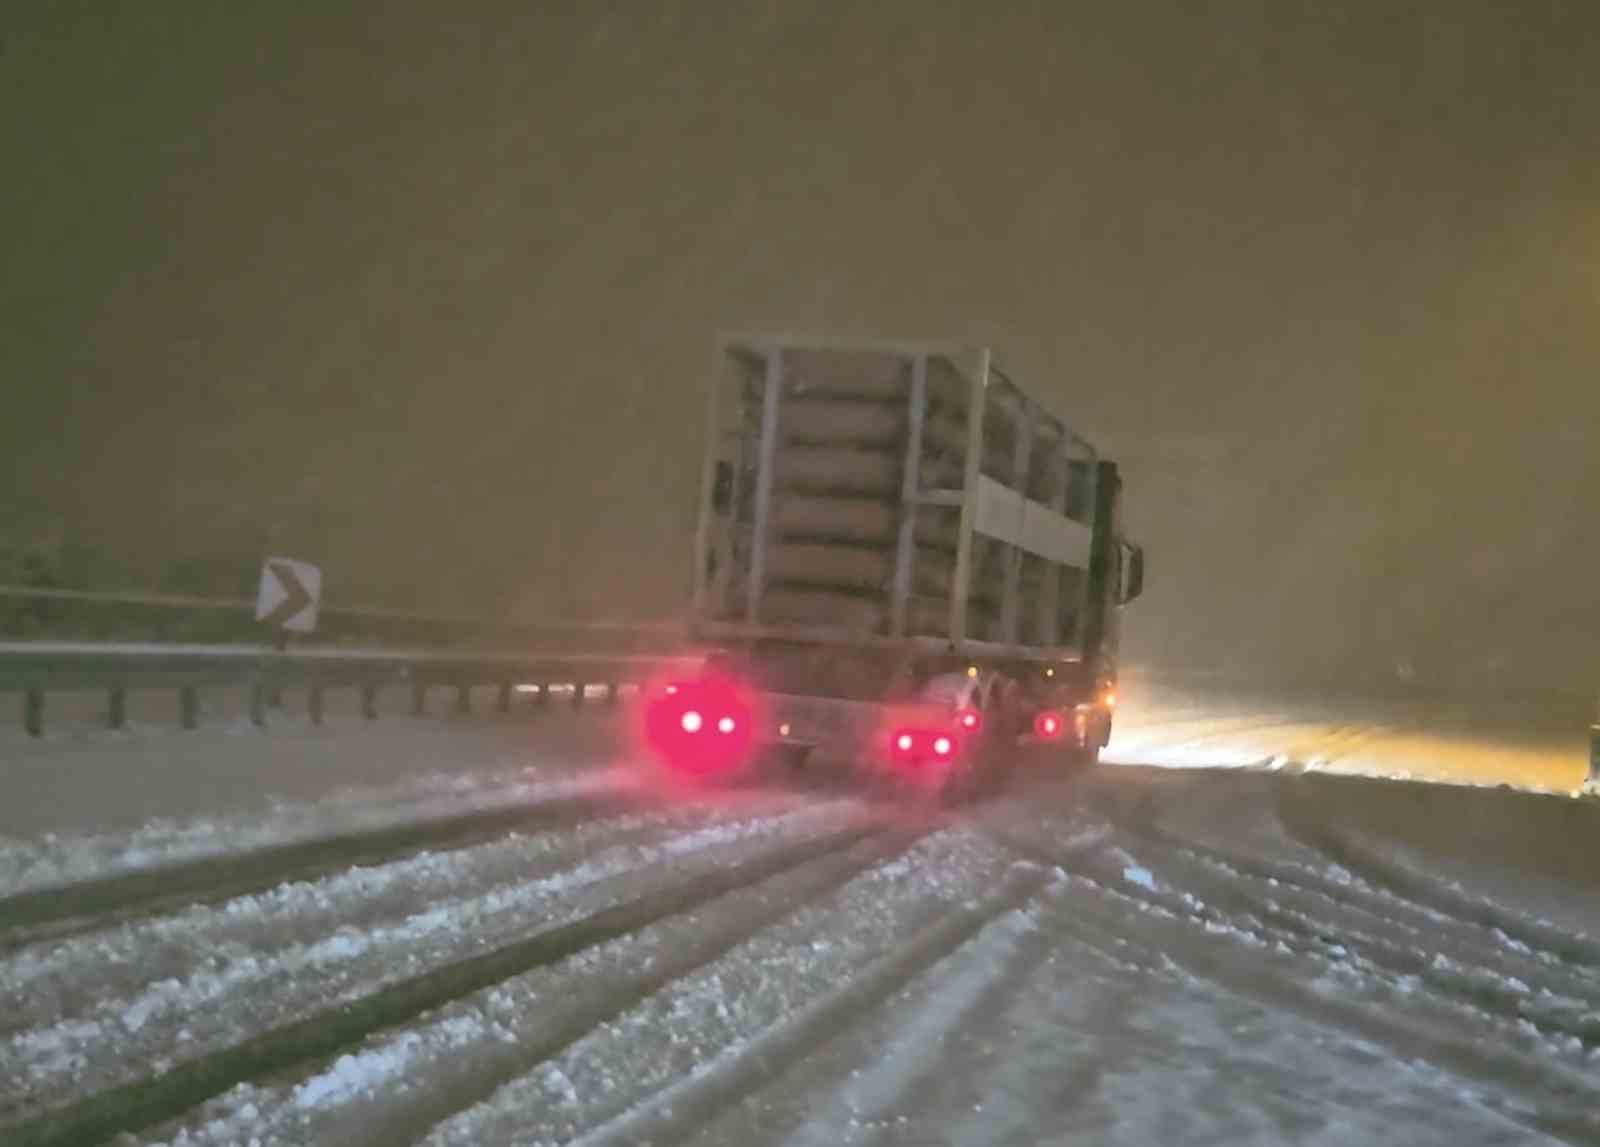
x=289, y=594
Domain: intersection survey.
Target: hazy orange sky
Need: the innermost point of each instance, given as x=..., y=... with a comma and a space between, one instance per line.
x=429, y=298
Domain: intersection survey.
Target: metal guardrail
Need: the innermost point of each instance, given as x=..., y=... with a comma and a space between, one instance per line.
x=36, y=669
x=33, y=612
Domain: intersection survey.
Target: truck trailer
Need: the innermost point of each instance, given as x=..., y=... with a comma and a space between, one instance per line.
x=903, y=562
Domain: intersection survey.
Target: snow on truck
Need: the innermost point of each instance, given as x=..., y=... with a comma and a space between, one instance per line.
x=903, y=562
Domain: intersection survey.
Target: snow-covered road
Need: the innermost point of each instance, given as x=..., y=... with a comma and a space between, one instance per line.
x=1261, y=954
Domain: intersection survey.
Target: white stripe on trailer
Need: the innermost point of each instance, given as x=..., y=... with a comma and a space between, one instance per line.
x=1007, y=516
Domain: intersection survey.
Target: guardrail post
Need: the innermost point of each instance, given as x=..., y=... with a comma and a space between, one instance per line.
x=463, y=698
x=117, y=707
x=577, y=694
x=33, y=712
x=314, y=703
x=188, y=706
x=502, y=702
x=419, y=698
x=369, y=700
x=258, y=705
x=544, y=695
x=611, y=693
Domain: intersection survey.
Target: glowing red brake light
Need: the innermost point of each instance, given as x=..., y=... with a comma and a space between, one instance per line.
x=678, y=718
x=942, y=746
x=904, y=742
x=1047, y=725
x=969, y=720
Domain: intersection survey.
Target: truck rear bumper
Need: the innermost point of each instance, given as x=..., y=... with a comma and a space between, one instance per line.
x=857, y=733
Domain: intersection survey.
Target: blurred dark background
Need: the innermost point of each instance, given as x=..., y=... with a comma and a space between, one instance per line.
x=429, y=297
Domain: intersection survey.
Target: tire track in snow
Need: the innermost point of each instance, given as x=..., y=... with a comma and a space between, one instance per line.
x=1328, y=746
x=1306, y=824
x=1425, y=927
x=167, y=1020
x=166, y=1094
x=1535, y=1090
x=1495, y=981
x=974, y=982
x=520, y=1040
x=1163, y=739
x=679, y=1109
x=1480, y=933
x=59, y=912
x=46, y=985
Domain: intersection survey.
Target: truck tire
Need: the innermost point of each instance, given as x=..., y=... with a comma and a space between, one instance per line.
x=1080, y=757
x=988, y=770
x=1088, y=755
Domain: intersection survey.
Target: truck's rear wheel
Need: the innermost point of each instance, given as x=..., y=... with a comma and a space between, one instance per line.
x=986, y=769
x=1079, y=757
x=1095, y=737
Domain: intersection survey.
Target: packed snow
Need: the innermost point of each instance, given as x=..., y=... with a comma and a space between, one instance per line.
x=1256, y=953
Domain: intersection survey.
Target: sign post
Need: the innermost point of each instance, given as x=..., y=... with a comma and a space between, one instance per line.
x=1592, y=782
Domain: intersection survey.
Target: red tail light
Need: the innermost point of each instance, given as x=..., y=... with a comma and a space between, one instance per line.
x=1048, y=725
x=913, y=745
x=970, y=720
x=700, y=725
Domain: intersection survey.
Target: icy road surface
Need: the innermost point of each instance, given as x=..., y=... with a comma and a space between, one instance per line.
x=1262, y=953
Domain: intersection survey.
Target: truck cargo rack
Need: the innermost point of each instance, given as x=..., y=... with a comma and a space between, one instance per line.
x=886, y=493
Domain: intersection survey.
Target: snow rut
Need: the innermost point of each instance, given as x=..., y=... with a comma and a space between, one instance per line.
x=60, y=911
x=325, y=918
x=286, y=1007
x=663, y=1027
x=1351, y=854
x=1515, y=1021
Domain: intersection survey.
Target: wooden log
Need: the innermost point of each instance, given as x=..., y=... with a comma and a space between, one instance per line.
x=857, y=614
x=834, y=470
x=783, y=606
x=872, y=426
x=854, y=374
x=826, y=422
x=797, y=517
x=857, y=568
x=840, y=519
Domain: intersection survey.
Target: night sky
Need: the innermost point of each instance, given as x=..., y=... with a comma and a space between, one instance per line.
x=430, y=299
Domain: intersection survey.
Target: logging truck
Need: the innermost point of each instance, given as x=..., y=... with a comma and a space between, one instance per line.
x=903, y=562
